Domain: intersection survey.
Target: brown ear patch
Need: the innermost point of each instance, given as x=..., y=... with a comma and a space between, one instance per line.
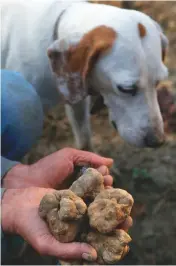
x=95, y=42
x=72, y=65
x=142, y=30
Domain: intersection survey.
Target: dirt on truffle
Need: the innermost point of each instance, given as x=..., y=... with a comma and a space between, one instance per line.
x=65, y=212
x=148, y=175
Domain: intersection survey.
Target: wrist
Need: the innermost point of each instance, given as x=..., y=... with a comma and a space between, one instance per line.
x=7, y=215
x=16, y=176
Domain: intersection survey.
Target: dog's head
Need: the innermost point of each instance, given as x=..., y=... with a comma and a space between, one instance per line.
x=123, y=65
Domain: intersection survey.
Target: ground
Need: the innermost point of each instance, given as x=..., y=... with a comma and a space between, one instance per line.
x=148, y=174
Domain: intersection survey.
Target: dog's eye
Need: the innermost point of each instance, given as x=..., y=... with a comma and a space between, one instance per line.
x=130, y=90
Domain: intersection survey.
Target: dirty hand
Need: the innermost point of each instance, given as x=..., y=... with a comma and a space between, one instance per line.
x=52, y=170
x=20, y=216
x=19, y=212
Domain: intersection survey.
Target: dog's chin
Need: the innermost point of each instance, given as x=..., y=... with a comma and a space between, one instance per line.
x=139, y=145
x=142, y=144
x=136, y=143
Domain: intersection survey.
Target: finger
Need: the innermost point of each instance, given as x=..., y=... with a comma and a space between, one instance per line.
x=84, y=157
x=108, y=187
x=44, y=243
x=66, y=251
x=126, y=224
x=103, y=169
x=108, y=180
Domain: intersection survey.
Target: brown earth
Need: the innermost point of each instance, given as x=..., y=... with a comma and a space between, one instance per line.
x=148, y=174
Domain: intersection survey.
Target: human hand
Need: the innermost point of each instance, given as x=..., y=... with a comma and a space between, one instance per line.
x=52, y=170
x=20, y=216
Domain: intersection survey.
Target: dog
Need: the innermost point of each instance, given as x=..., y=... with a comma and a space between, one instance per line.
x=70, y=51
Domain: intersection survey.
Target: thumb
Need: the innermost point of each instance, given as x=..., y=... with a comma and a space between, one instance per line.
x=85, y=157
x=65, y=251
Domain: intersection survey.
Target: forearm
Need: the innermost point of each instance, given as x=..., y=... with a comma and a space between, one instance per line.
x=11, y=243
x=6, y=165
x=2, y=192
x=14, y=174
x=9, y=175
x=3, y=239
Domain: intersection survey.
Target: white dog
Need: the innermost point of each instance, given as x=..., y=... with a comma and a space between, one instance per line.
x=78, y=48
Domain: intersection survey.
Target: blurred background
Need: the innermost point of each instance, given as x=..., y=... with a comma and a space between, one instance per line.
x=148, y=174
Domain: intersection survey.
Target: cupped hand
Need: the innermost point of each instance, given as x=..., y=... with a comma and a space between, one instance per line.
x=20, y=216
x=19, y=211
x=52, y=170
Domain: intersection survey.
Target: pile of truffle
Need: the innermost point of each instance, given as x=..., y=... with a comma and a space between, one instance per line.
x=89, y=212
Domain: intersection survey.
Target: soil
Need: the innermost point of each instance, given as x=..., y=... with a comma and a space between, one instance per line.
x=148, y=174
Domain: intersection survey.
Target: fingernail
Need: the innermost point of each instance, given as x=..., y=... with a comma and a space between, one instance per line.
x=103, y=170
x=108, y=187
x=88, y=257
x=111, y=161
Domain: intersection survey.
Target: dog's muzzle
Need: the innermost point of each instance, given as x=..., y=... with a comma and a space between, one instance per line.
x=152, y=141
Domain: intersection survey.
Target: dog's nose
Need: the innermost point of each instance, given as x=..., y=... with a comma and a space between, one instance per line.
x=114, y=125
x=152, y=141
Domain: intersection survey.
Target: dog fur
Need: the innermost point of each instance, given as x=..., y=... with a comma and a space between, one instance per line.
x=69, y=50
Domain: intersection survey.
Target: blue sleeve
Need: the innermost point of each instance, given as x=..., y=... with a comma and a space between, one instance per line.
x=21, y=126
x=21, y=116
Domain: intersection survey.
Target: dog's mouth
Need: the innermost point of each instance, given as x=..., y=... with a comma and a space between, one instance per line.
x=149, y=140
x=114, y=125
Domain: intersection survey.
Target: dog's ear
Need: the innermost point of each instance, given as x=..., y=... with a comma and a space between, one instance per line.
x=164, y=41
x=73, y=63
